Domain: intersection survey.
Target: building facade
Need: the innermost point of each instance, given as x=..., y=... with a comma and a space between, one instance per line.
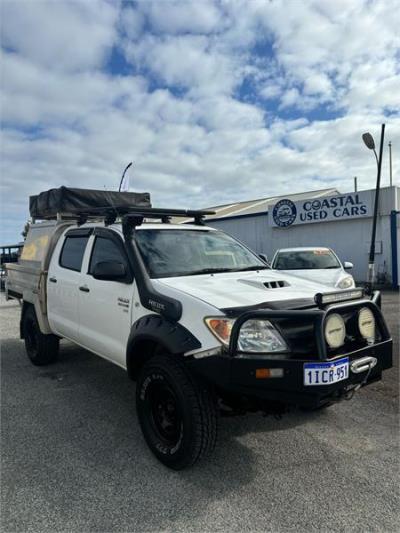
x=342, y=222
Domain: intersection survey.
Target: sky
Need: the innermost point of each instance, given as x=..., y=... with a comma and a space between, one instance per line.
x=213, y=101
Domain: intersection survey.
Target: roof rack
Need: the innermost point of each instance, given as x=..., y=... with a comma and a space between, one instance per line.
x=132, y=208
x=111, y=214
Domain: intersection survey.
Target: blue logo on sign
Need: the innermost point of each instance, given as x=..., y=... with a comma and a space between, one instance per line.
x=284, y=213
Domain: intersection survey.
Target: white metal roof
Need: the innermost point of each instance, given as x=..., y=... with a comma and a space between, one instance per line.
x=260, y=205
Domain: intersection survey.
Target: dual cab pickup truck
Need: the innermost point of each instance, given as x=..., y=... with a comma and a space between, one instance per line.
x=197, y=319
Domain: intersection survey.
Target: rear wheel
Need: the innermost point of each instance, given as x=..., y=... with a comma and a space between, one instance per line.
x=41, y=349
x=177, y=414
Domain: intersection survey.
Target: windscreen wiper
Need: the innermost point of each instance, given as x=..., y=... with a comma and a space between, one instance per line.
x=216, y=270
x=211, y=270
x=254, y=267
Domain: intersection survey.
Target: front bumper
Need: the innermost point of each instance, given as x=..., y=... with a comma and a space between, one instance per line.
x=235, y=373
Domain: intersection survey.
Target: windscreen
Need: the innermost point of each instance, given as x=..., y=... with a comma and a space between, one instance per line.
x=169, y=253
x=306, y=260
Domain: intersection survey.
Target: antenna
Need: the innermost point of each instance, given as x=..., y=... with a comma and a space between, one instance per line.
x=123, y=175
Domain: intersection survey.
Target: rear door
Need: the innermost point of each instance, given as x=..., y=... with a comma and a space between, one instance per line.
x=105, y=307
x=63, y=282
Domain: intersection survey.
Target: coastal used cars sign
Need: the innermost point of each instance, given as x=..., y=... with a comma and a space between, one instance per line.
x=340, y=207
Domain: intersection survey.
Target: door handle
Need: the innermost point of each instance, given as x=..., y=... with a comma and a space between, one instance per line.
x=53, y=280
x=83, y=288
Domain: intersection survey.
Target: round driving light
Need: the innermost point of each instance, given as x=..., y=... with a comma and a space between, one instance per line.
x=335, y=330
x=366, y=324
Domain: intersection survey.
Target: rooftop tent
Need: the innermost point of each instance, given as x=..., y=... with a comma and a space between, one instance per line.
x=49, y=203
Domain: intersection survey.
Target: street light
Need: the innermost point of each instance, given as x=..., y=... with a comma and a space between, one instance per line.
x=368, y=140
x=370, y=143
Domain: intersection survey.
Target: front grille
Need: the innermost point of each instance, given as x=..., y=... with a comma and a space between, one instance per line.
x=300, y=336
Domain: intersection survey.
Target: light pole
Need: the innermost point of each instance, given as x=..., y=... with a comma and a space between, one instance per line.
x=370, y=143
x=390, y=162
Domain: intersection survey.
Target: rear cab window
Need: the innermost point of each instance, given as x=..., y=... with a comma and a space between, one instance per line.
x=72, y=252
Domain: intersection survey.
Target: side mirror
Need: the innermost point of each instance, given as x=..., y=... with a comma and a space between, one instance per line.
x=109, y=271
x=264, y=258
x=347, y=265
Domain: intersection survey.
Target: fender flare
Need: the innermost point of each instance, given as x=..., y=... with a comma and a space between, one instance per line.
x=174, y=337
x=41, y=318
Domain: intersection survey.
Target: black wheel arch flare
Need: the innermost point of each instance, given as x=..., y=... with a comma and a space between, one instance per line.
x=157, y=331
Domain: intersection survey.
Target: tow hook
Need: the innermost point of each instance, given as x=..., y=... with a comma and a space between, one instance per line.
x=361, y=365
x=357, y=367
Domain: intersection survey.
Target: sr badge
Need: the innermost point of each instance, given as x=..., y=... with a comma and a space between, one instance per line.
x=284, y=213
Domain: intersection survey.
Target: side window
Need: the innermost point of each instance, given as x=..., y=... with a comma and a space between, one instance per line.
x=105, y=250
x=72, y=252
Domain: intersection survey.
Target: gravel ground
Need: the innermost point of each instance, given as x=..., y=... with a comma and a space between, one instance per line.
x=73, y=458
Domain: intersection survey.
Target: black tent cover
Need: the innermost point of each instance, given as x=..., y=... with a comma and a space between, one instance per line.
x=66, y=200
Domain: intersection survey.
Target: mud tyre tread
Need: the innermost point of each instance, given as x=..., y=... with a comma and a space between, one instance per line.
x=41, y=349
x=199, y=412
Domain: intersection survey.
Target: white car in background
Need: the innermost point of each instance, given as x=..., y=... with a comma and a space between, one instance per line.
x=317, y=264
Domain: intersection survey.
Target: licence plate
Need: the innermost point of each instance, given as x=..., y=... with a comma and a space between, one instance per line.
x=326, y=373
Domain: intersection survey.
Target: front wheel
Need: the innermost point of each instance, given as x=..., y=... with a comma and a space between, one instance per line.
x=177, y=414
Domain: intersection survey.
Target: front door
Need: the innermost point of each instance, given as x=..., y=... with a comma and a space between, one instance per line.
x=105, y=307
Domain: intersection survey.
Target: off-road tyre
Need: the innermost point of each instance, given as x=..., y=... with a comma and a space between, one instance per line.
x=41, y=349
x=186, y=429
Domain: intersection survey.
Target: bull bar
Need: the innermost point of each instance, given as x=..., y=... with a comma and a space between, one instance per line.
x=235, y=371
x=318, y=317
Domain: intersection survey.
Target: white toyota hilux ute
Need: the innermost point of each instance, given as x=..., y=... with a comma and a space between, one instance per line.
x=197, y=319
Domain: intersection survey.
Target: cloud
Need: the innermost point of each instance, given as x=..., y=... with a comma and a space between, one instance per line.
x=323, y=49
x=290, y=98
x=131, y=23
x=187, y=17
x=34, y=95
x=189, y=62
x=216, y=102
x=61, y=36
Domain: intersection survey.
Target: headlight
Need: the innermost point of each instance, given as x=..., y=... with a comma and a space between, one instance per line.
x=346, y=283
x=366, y=324
x=257, y=336
x=335, y=330
x=260, y=336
